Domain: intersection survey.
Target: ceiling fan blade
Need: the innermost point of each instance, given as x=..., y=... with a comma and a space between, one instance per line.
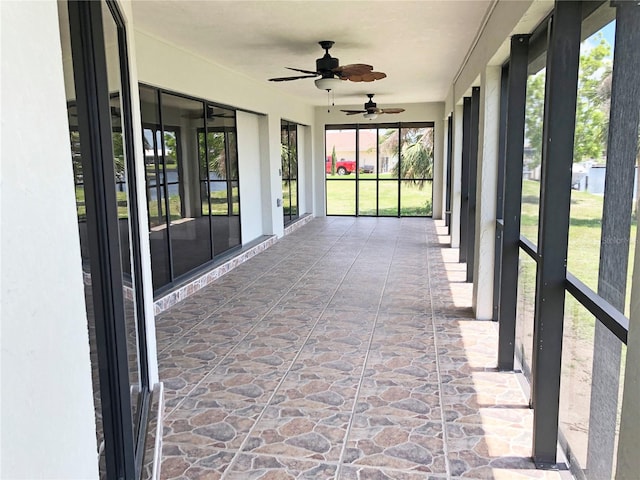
x=286, y=79
x=368, y=77
x=302, y=71
x=352, y=69
x=353, y=112
x=391, y=110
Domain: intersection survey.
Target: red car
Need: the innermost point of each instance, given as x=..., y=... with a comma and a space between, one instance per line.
x=343, y=167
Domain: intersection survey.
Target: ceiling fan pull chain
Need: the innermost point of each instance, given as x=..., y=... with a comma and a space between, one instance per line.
x=328, y=100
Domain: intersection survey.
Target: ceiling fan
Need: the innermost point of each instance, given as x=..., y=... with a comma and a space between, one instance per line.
x=331, y=72
x=371, y=109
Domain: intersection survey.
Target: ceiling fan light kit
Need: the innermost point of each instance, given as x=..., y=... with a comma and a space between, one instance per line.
x=329, y=83
x=370, y=116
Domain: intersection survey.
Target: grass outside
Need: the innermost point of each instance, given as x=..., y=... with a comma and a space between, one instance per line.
x=341, y=196
x=583, y=254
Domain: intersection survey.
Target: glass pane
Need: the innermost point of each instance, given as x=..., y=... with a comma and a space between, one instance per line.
x=123, y=206
x=155, y=182
x=219, y=199
x=226, y=233
x=367, y=193
x=233, y=154
x=367, y=153
x=235, y=199
x=525, y=312
x=388, y=198
x=217, y=155
x=416, y=198
x=284, y=149
x=416, y=161
x=190, y=231
x=341, y=197
x=388, y=145
x=340, y=153
x=534, y=113
x=294, y=199
x=286, y=199
x=293, y=150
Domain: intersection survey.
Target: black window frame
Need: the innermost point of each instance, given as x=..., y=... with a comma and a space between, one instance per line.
x=124, y=450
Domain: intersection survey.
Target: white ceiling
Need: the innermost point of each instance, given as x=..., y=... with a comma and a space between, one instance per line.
x=420, y=45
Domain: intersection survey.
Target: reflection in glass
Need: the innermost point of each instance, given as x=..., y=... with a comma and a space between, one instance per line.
x=192, y=172
x=156, y=187
x=289, y=169
x=122, y=199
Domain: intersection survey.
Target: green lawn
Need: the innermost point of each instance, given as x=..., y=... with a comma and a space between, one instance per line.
x=415, y=199
x=584, y=231
x=582, y=259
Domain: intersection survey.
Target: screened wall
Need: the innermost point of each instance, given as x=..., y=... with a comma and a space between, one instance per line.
x=563, y=242
x=379, y=170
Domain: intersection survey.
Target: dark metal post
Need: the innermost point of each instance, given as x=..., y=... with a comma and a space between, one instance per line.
x=502, y=134
x=563, y=57
x=512, y=198
x=614, y=244
x=473, y=179
x=447, y=209
x=464, y=184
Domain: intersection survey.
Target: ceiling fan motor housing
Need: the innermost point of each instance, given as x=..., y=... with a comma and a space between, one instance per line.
x=370, y=105
x=326, y=65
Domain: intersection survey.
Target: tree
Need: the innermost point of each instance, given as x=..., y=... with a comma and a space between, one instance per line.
x=416, y=161
x=216, y=153
x=591, y=114
x=534, y=115
x=333, y=161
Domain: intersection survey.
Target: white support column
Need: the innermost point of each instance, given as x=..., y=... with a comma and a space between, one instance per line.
x=487, y=180
x=456, y=172
x=272, y=215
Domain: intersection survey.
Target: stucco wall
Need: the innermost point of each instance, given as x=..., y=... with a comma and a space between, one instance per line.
x=48, y=425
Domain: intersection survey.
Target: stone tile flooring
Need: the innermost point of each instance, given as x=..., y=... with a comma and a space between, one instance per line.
x=348, y=350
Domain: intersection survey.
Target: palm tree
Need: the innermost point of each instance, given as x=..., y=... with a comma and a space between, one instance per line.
x=416, y=161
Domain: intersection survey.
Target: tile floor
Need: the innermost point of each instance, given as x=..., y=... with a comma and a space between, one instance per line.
x=348, y=350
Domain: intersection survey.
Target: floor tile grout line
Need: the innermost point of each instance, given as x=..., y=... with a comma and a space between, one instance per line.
x=364, y=369
x=234, y=296
x=226, y=355
x=293, y=361
x=445, y=446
